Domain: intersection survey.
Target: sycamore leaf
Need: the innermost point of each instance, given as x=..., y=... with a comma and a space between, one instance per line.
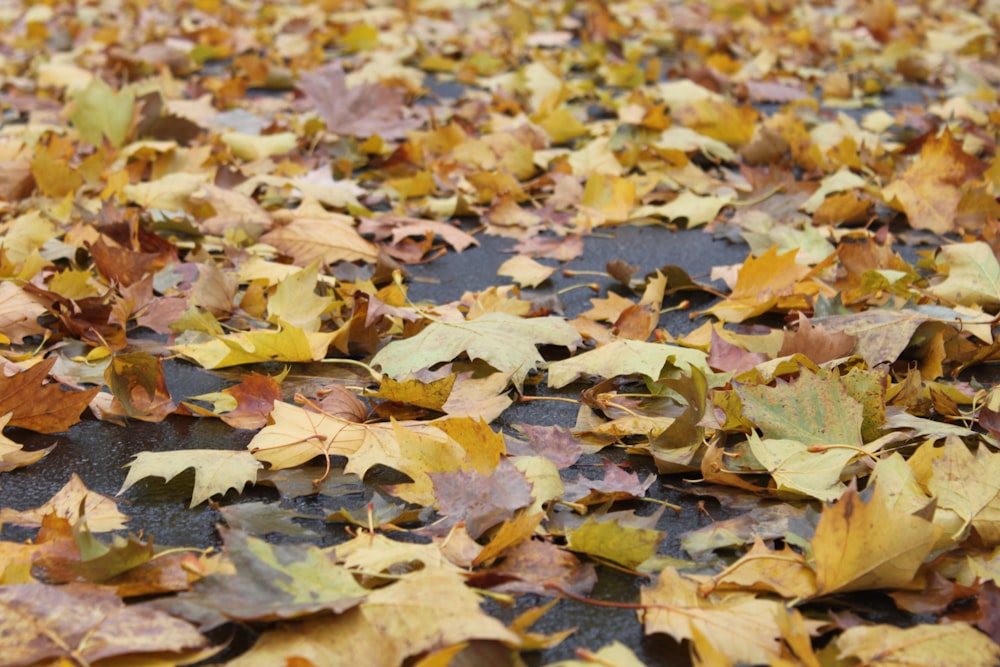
x=525, y=271
x=45, y=408
x=12, y=454
x=296, y=435
x=100, y=113
x=784, y=572
x=759, y=284
x=431, y=609
x=814, y=409
x=327, y=240
x=929, y=191
x=344, y=640
x=215, y=470
x=973, y=275
x=740, y=626
x=276, y=581
x=625, y=357
x=796, y=466
x=923, y=645
x=507, y=343
x=18, y=313
x=865, y=545
x=481, y=501
x=964, y=482
x=363, y=110
x=295, y=301
x=626, y=545
x=101, y=512
x=289, y=343
x=83, y=624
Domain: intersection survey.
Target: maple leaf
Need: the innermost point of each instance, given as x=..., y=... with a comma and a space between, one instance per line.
x=784, y=572
x=215, y=470
x=289, y=343
x=99, y=113
x=18, y=313
x=953, y=643
x=504, y=342
x=862, y=545
x=68, y=502
x=625, y=357
x=929, y=190
x=276, y=581
x=532, y=564
x=611, y=540
x=362, y=110
x=431, y=609
x=479, y=500
x=140, y=389
x=83, y=622
x=973, y=275
x=327, y=239
x=12, y=454
x=742, y=627
x=966, y=483
x=38, y=406
x=760, y=284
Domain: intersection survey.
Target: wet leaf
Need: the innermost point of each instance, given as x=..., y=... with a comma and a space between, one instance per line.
x=215, y=470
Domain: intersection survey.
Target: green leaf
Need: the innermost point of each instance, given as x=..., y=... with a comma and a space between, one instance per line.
x=815, y=409
x=100, y=112
x=505, y=342
x=215, y=470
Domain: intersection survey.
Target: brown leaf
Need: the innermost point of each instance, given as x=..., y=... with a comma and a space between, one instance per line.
x=83, y=622
x=44, y=407
x=816, y=343
x=533, y=564
x=479, y=500
x=362, y=111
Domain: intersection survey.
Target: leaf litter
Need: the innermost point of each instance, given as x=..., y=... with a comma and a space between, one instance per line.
x=246, y=187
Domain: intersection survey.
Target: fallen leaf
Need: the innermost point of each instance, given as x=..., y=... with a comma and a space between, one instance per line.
x=83, y=622
x=921, y=645
x=480, y=501
x=215, y=470
x=742, y=627
x=861, y=545
x=38, y=405
x=362, y=110
x=610, y=540
x=506, y=343
x=101, y=512
x=929, y=190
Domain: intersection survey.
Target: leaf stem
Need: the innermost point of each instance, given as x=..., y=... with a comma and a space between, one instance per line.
x=354, y=362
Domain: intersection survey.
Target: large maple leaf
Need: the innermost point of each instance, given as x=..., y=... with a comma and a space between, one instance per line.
x=38, y=406
x=504, y=342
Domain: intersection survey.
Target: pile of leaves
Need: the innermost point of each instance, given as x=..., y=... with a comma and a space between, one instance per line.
x=238, y=183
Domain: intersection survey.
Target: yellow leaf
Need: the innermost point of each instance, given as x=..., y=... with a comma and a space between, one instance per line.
x=525, y=271
x=215, y=470
x=742, y=627
x=612, y=541
x=252, y=147
x=101, y=512
x=98, y=113
x=286, y=344
x=866, y=545
x=954, y=643
x=759, y=285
